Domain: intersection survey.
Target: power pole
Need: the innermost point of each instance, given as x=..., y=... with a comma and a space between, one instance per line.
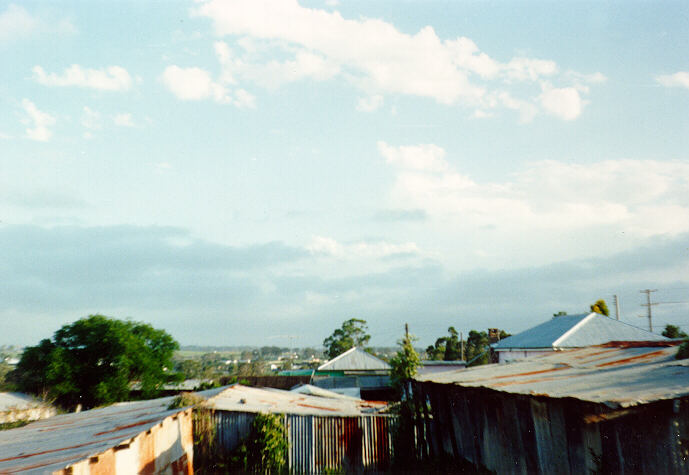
x=617, y=307
x=461, y=344
x=406, y=331
x=648, y=305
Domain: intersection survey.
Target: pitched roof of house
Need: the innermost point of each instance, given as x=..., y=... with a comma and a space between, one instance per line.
x=354, y=359
x=576, y=331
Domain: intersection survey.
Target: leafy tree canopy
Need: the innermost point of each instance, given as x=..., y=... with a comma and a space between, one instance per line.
x=351, y=334
x=600, y=307
x=673, y=331
x=95, y=360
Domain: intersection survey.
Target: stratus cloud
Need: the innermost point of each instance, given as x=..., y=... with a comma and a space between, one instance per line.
x=38, y=122
x=325, y=246
x=679, y=79
x=640, y=197
x=111, y=78
x=381, y=59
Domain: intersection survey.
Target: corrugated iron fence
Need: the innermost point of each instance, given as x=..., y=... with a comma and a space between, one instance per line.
x=515, y=433
x=320, y=443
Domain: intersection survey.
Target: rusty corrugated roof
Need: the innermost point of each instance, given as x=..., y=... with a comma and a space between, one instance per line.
x=55, y=443
x=269, y=400
x=618, y=374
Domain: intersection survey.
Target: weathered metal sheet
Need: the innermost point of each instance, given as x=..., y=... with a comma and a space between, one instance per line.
x=518, y=433
x=321, y=443
x=268, y=400
x=618, y=374
x=122, y=438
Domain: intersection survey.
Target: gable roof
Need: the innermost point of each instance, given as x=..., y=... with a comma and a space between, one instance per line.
x=354, y=359
x=576, y=331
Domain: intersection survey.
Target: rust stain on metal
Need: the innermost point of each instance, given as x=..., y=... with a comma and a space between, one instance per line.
x=310, y=406
x=632, y=359
x=128, y=426
x=529, y=373
x=595, y=418
x=640, y=344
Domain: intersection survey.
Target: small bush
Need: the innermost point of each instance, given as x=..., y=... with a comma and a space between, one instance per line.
x=683, y=352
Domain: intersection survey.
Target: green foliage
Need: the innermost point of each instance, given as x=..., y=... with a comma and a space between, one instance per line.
x=95, y=360
x=600, y=307
x=265, y=450
x=561, y=313
x=351, y=334
x=683, y=352
x=404, y=364
x=13, y=425
x=185, y=399
x=673, y=331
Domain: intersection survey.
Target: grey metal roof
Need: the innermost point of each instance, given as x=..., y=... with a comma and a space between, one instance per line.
x=52, y=444
x=576, y=331
x=238, y=398
x=18, y=401
x=618, y=374
x=355, y=359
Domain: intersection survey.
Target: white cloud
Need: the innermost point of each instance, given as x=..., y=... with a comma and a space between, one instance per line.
x=370, y=104
x=639, y=197
x=90, y=119
x=372, y=55
x=123, y=120
x=111, y=78
x=38, y=122
x=193, y=84
x=564, y=103
x=16, y=22
x=325, y=246
x=678, y=79
x=427, y=157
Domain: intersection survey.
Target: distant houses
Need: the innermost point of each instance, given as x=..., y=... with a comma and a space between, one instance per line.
x=568, y=332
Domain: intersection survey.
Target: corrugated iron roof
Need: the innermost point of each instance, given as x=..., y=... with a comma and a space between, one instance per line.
x=576, y=331
x=269, y=400
x=55, y=443
x=18, y=401
x=355, y=359
x=618, y=374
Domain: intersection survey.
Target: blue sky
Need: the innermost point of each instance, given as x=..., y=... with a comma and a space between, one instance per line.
x=236, y=172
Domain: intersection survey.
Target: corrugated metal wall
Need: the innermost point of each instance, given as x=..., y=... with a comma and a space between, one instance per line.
x=319, y=443
x=513, y=433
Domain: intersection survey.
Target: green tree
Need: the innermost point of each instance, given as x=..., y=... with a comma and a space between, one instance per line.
x=95, y=361
x=437, y=351
x=404, y=364
x=600, y=307
x=351, y=334
x=673, y=331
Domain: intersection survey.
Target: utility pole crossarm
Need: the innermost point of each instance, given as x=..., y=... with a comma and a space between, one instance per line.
x=648, y=306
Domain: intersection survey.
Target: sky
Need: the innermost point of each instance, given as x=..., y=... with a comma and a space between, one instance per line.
x=257, y=172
